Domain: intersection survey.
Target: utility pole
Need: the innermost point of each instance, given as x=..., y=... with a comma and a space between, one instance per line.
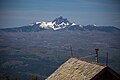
x=71, y=51
x=107, y=58
x=107, y=55
x=97, y=54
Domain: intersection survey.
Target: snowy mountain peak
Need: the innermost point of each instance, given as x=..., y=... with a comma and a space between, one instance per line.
x=60, y=20
x=60, y=23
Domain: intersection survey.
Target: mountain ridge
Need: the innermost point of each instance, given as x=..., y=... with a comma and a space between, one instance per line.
x=59, y=24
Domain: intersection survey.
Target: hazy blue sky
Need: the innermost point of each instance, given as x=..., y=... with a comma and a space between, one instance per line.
x=16, y=13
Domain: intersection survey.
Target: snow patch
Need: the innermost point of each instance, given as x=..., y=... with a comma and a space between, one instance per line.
x=37, y=22
x=46, y=25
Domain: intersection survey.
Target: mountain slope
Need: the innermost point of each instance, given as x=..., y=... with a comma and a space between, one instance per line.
x=101, y=28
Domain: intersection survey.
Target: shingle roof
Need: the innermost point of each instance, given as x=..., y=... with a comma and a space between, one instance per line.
x=76, y=69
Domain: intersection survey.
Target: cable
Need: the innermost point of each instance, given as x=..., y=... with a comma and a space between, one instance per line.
x=88, y=56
